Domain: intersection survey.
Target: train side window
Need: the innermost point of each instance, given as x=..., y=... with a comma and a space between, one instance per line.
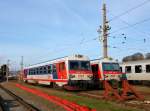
x=29, y=71
x=49, y=69
x=41, y=70
x=33, y=71
x=54, y=69
x=128, y=69
x=148, y=68
x=138, y=69
x=121, y=69
x=44, y=70
x=37, y=70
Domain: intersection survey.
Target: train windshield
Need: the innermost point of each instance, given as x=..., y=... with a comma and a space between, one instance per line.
x=79, y=65
x=111, y=67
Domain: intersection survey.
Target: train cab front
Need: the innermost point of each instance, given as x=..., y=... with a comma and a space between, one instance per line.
x=111, y=71
x=80, y=73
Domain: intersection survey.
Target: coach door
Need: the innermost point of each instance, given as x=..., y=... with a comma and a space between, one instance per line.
x=62, y=73
x=55, y=76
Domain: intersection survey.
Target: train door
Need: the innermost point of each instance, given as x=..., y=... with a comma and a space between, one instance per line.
x=54, y=72
x=25, y=73
x=61, y=70
x=96, y=72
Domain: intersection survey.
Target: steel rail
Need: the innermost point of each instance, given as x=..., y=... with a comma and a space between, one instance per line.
x=17, y=98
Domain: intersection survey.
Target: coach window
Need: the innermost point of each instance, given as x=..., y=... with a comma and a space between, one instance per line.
x=44, y=70
x=128, y=69
x=49, y=69
x=138, y=69
x=37, y=71
x=33, y=71
x=121, y=69
x=40, y=70
x=148, y=68
x=54, y=69
x=29, y=72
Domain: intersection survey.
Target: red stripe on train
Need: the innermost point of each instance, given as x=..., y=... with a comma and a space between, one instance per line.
x=79, y=72
x=112, y=72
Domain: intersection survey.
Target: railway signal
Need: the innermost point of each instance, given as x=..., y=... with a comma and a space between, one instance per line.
x=7, y=70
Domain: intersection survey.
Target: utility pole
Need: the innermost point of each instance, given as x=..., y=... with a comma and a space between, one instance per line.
x=21, y=71
x=104, y=29
x=7, y=69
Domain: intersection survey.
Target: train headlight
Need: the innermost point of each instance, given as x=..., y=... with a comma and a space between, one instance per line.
x=71, y=76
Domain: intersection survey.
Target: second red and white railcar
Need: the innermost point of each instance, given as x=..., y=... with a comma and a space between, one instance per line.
x=106, y=69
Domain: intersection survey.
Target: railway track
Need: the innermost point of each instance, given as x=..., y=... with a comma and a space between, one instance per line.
x=11, y=102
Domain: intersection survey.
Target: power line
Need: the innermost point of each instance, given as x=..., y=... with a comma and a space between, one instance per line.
x=130, y=25
x=129, y=10
x=70, y=46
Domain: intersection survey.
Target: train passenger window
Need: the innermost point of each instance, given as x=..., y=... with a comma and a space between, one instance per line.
x=41, y=70
x=128, y=69
x=121, y=69
x=54, y=69
x=29, y=71
x=44, y=70
x=148, y=68
x=37, y=71
x=138, y=69
x=33, y=71
x=50, y=69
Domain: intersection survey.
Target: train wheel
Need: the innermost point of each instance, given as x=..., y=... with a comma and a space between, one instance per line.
x=54, y=85
x=51, y=85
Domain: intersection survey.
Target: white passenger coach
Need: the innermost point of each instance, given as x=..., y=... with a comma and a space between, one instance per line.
x=136, y=70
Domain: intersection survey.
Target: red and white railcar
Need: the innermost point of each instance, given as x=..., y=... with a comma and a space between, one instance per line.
x=106, y=69
x=69, y=70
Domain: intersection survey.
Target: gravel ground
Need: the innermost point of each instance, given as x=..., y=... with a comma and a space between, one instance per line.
x=34, y=100
x=10, y=103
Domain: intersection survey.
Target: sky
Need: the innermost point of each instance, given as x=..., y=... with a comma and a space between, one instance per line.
x=41, y=30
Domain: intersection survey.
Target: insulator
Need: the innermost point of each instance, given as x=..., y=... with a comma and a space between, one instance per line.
x=144, y=40
x=125, y=38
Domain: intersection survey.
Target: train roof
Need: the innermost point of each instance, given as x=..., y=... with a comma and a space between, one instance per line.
x=72, y=57
x=137, y=62
x=102, y=60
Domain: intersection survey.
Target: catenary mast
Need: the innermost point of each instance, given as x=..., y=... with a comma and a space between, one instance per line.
x=104, y=29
